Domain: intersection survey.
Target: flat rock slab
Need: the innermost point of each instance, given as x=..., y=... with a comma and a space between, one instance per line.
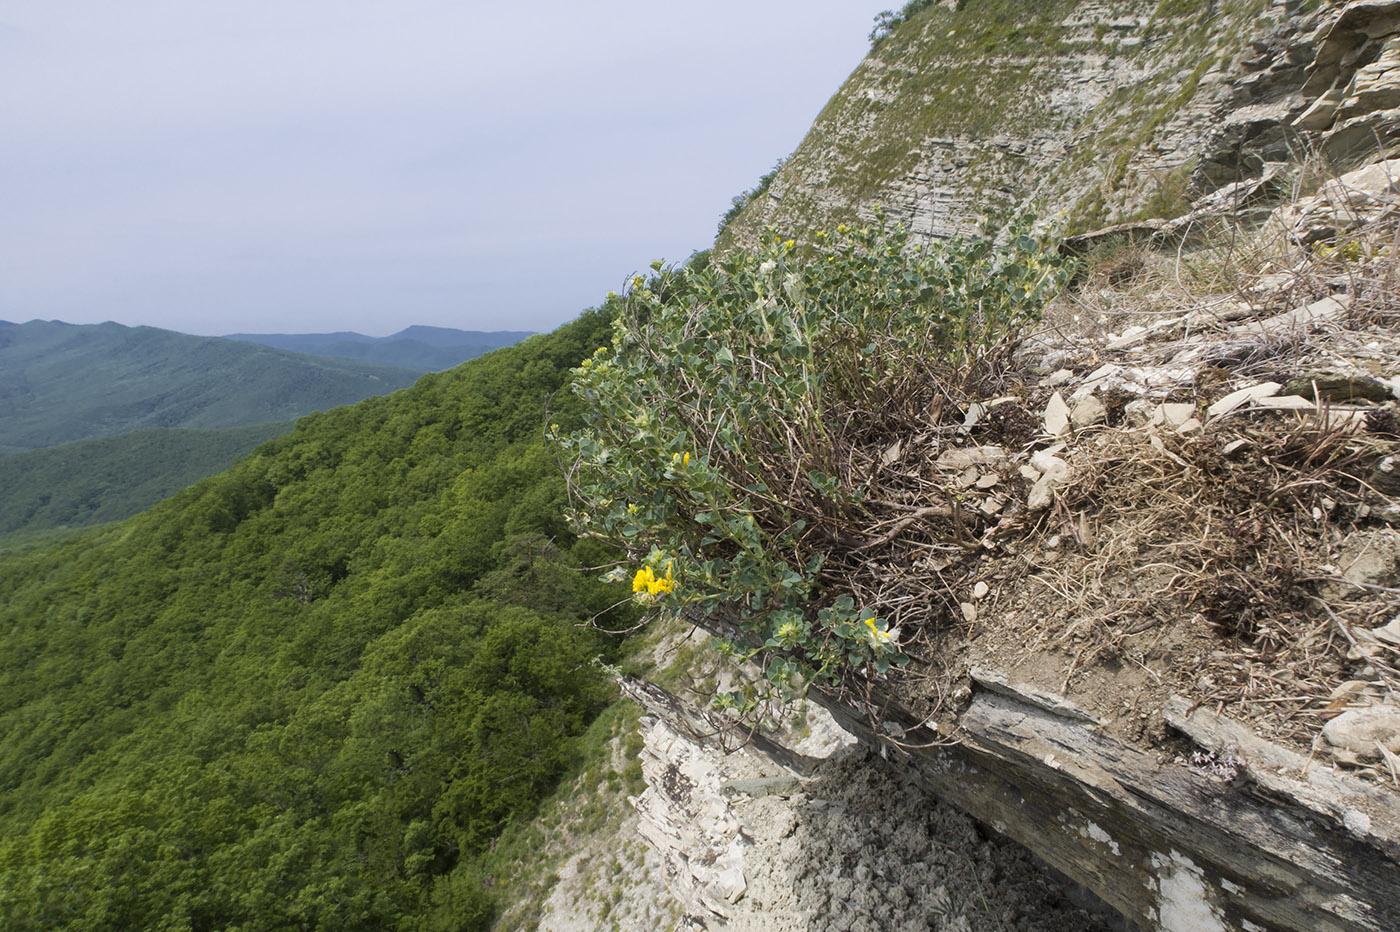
x=1298, y=320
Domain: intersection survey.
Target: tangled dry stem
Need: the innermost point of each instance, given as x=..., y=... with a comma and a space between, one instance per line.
x=1232, y=551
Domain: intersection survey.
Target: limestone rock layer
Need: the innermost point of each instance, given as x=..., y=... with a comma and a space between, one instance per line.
x=1091, y=113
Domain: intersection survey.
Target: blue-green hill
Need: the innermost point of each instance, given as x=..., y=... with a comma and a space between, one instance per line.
x=426, y=349
x=61, y=382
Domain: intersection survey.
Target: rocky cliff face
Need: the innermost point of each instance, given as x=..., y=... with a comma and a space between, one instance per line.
x=757, y=838
x=1094, y=113
x=1122, y=771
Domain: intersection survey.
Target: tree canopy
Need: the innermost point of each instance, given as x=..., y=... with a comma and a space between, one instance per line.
x=308, y=692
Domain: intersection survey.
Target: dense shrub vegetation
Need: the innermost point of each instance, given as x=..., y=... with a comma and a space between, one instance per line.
x=739, y=417
x=307, y=693
x=887, y=21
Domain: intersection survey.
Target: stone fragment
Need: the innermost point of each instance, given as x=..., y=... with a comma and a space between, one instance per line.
x=1044, y=460
x=1358, y=198
x=969, y=612
x=1128, y=337
x=1242, y=396
x=1056, y=418
x=1334, y=385
x=1058, y=378
x=1385, y=476
x=1349, y=690
x=1359, y=731
x=1189, y=426
x=980, y=590
x=1138, y=412
x=1375, y=86
x=1287, y=403
x=1172, y=414
x=987, y=480
x=961, y=458
x=1323, y=111
x=1356, y=822
x=732, y=884
x=1054, y=472
x=1104, y=376
x=1367, y=558
x=1389, y=633
x=1087, y=412
x=1300, y=319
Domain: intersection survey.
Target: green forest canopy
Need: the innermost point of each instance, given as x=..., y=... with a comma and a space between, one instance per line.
x=307, y=693
x=109, y=478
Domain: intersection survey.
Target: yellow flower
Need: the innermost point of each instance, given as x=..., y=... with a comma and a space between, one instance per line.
x=878, y=636
x=648, y=587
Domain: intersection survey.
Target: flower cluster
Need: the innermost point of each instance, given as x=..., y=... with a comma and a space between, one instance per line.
x=1224, y=765
x=879, y=636
x=647, y=587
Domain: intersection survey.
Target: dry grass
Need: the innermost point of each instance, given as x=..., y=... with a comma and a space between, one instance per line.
x=1206, y=566
x=1233, y=549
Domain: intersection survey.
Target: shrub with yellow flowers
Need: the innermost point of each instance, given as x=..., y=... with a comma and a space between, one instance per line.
x=725, y=412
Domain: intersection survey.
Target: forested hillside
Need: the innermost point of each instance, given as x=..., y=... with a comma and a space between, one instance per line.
x=62, y=382
x=307, y=693
x=110, y=478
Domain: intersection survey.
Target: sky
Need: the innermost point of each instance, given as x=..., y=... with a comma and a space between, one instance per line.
x=320, y=165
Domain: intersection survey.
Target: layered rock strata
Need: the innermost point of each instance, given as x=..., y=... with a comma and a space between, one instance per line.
x=1091, y=113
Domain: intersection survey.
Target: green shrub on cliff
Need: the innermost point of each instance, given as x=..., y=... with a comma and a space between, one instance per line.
x=887, y=21
x=732, y=414
x=740, y=201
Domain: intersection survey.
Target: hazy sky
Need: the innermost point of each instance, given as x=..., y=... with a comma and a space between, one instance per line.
x=215, y=167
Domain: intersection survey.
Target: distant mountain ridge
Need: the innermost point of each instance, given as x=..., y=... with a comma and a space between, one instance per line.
x=428, y=349
x=61, y=382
